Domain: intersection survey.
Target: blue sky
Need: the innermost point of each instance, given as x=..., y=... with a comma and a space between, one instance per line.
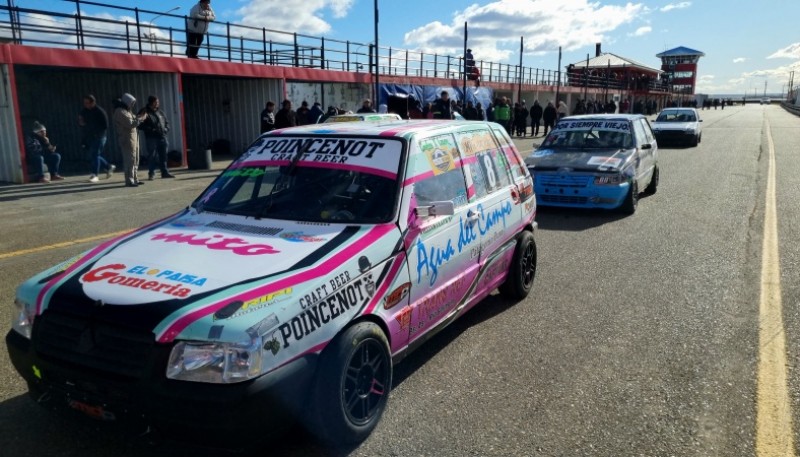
x=746, y=43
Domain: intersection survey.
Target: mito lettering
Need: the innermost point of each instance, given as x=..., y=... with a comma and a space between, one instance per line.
x=217, y=242
x=332, y=146
x=353, y=296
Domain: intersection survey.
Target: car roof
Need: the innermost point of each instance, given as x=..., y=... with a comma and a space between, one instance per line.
x=678, y=109
x=401, y=128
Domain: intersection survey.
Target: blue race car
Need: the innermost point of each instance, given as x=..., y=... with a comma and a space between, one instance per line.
x=596, y=161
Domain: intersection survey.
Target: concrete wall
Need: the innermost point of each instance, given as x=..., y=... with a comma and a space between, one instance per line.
x=347, y=96
x=10, y=158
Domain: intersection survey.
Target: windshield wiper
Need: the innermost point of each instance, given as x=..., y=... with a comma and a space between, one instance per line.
x=275, y=186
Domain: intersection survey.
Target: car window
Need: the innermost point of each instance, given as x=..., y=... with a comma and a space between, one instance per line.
x=488, y=165
x=639, y=132
x=514, y=159
x=439, y=154
x=311, y=179
x=648, y=131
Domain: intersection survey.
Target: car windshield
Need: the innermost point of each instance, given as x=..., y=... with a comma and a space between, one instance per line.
x=310, y=179
x=676, y=116
x=593, y=134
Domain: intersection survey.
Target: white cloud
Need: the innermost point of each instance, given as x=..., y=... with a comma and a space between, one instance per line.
x=707, y=77
x=739, y=60
x=789, y=52
x=495, y=28
x=675, y=6
x=641, y=31
x=303, y=16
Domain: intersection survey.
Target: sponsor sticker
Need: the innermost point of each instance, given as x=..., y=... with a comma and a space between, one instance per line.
x=115, y=274
x=396, y=296
x=236, y=245
x=300, y=237
x=605, y=161
x=543, y=153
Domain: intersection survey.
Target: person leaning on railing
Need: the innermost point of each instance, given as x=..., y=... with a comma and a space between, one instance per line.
x=197, y=26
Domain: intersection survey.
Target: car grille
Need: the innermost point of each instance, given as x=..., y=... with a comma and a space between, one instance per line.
x=82, y=343
x=571, y=181
x=563, y=199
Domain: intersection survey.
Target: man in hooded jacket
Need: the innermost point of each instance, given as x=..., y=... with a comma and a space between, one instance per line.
x=125, y=126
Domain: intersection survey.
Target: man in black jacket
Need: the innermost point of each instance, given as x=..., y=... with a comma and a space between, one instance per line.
x=536, y=117
x=549, y=116
x=441, y=107
x=286, y=117
x=268, y=118
x=155, y=127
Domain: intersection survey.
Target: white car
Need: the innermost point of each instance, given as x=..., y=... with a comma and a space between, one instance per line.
x=764, y=101
x=678, y=125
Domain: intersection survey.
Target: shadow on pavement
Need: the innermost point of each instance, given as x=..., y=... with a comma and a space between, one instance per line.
x=575, y=219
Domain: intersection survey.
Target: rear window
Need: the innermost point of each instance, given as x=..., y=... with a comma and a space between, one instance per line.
x=676, y=116
x=312, y=179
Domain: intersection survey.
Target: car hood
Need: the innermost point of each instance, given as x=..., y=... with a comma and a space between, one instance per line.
x=591, y=160
x=192, y=266
x=674, y=125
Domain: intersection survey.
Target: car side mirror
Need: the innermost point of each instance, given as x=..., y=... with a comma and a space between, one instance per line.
x=445, y=208
x=699, y=120
x=647, y=146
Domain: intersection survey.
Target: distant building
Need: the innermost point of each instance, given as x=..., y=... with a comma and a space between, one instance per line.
x=680, y=68
x=609, y=70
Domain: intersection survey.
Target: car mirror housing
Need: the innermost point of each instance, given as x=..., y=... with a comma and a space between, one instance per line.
x=647, y=146
x=444, y=208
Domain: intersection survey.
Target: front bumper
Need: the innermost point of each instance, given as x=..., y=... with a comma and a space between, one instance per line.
x=210, y=412
x=675, y=136
x=566, y=193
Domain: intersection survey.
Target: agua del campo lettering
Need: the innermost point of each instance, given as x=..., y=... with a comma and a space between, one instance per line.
x=217, y=242
x=109, y=274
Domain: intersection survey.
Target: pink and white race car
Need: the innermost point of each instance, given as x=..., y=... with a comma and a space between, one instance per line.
x=290, y=287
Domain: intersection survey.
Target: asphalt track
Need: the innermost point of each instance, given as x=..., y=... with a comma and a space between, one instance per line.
x=641, y=336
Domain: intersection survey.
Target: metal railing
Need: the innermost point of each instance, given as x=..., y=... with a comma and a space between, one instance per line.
x=129, y=32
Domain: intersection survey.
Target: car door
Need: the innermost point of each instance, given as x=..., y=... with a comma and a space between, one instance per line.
x=496, y=198
x=645, y=148
x=443, y=250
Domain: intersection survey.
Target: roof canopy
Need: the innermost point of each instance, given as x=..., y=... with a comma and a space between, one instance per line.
x=608, y=59
x=680, y=51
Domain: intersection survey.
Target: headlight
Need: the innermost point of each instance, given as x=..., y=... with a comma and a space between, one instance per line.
x=215, y=362
x=689, y=129
x=609, y=180
x=23, y=318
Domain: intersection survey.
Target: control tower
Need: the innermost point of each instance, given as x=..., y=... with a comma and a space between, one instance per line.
x=680, y=68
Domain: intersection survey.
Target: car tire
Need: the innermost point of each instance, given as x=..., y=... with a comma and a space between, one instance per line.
x=352, y=385
x=522, y=270
x=694, y=141
x=628, y=206
x=653, y=186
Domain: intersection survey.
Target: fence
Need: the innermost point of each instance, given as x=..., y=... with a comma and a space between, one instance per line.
x=126, y=31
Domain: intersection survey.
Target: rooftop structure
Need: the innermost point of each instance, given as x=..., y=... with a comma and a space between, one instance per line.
x=680, y=68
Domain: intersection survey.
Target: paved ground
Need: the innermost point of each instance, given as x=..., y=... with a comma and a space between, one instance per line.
x=641, y=336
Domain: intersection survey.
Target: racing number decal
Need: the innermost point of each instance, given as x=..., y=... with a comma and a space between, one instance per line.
x=488, y=167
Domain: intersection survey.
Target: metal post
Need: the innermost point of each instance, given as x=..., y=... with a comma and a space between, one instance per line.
x=138, y=30
x=435, y=65
x=558, y=75
x=128, y=36
x=228, y=37
x=264, y=43
x=447, y=73
x=377, y=57
x=170, y=42
x=347, y=48
x=80, y=25
x=421, y=62
x=322, y=54
x=390, y=60
x=11, y=17
x=296, y=52
x=78, y=31
x=521, y=50
x=241, y=49
x=464, y=76
x=586, y=78
x=406, y=74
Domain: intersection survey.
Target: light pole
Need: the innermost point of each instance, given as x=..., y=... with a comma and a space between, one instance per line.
x=152, y=35
x=375, y=99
